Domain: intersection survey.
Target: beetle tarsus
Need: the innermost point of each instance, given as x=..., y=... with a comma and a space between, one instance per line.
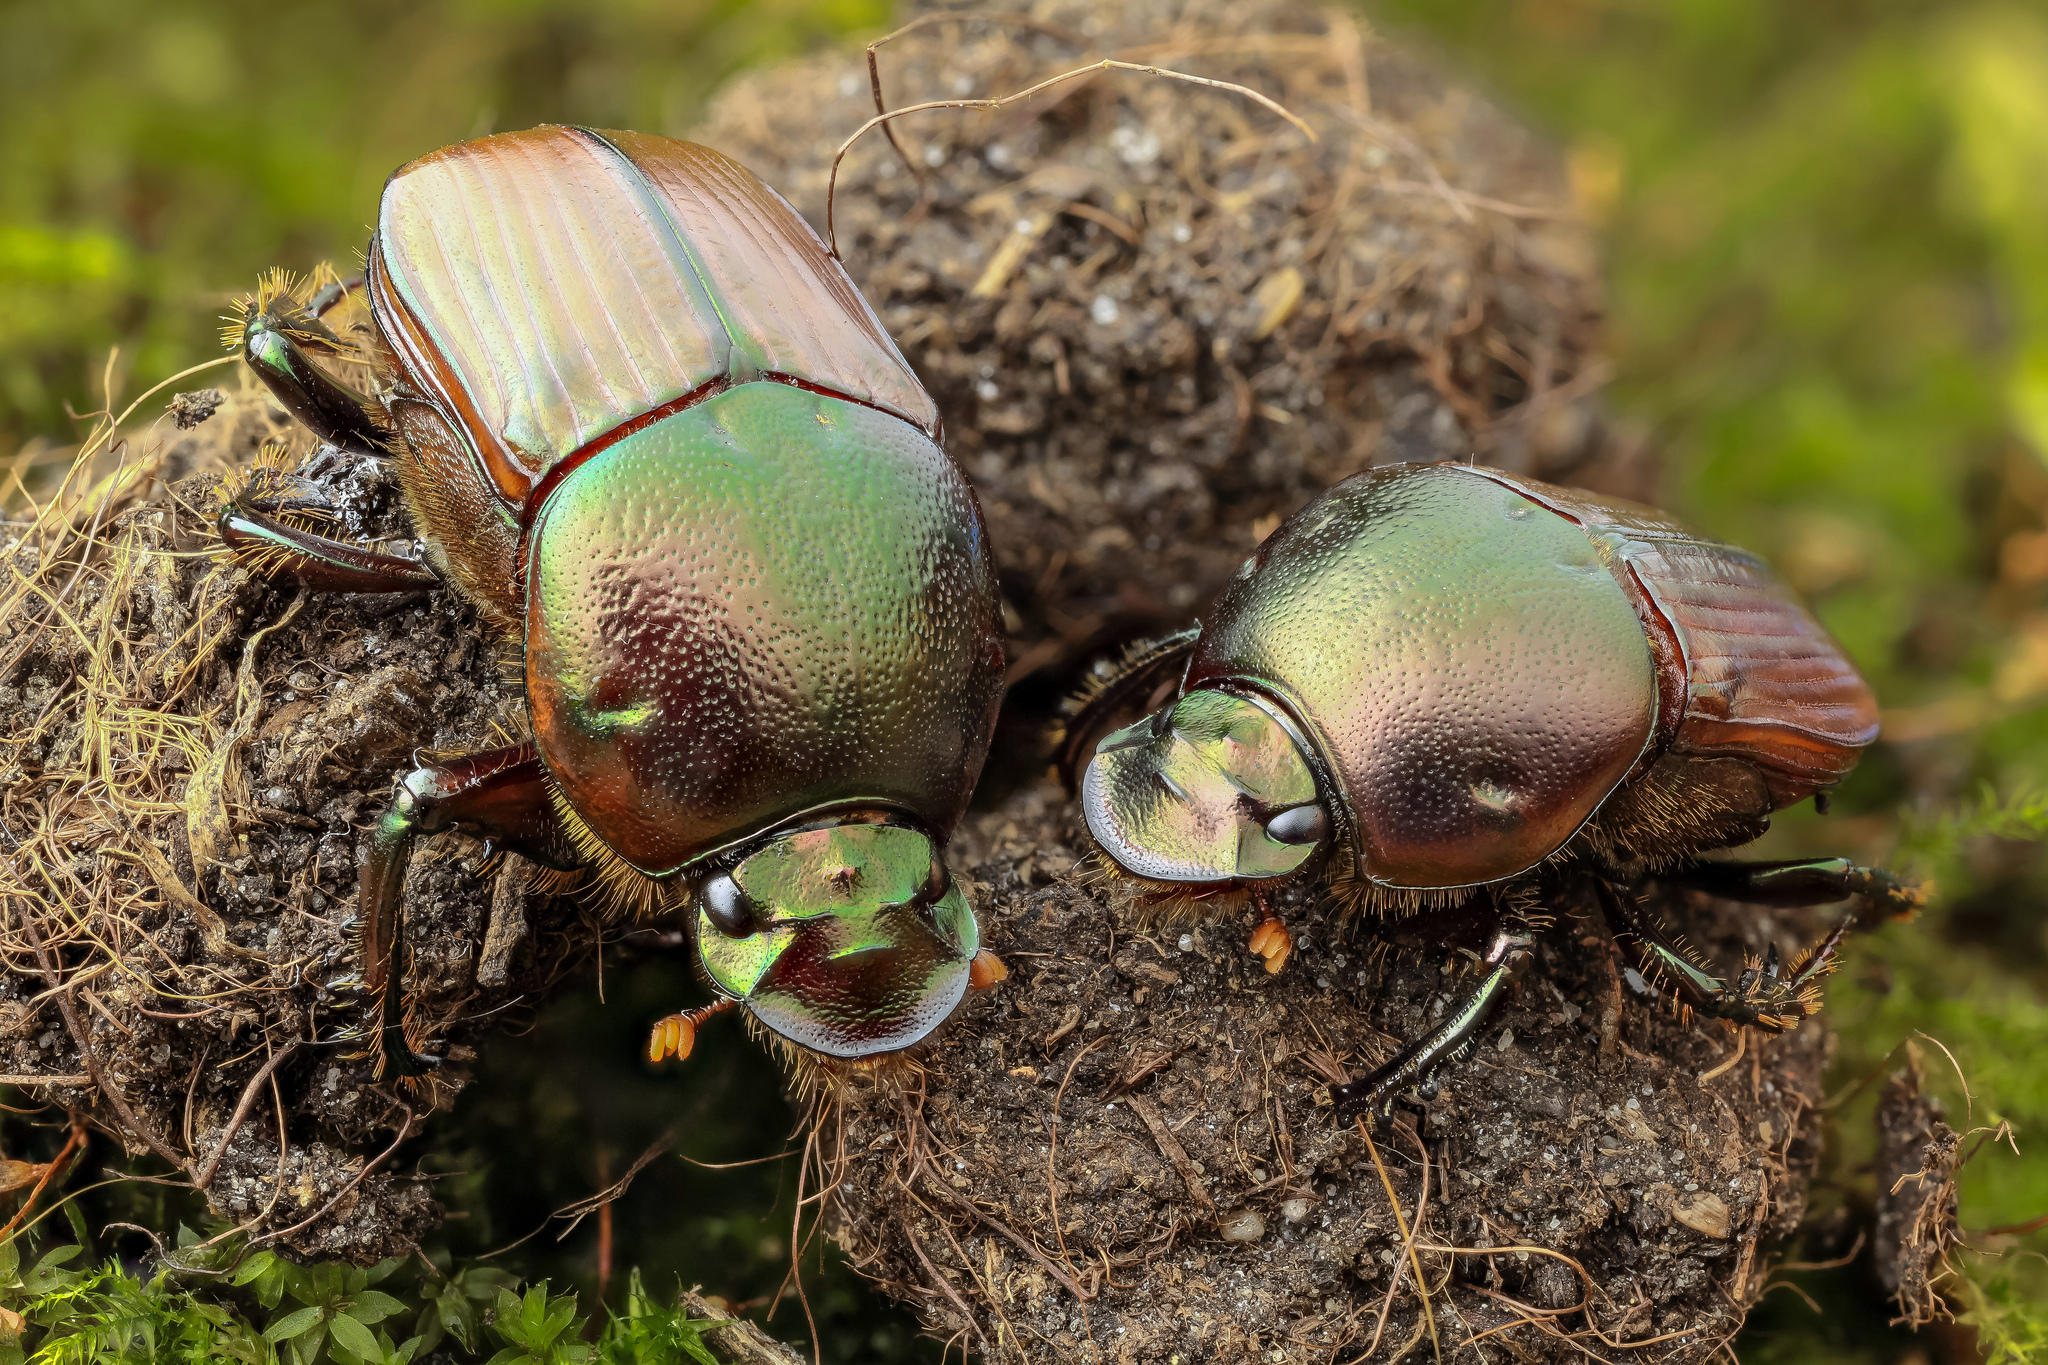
x=1417, y=1064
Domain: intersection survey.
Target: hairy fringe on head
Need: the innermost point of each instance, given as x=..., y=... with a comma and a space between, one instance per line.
x=1157, y=905
x=815, y=1077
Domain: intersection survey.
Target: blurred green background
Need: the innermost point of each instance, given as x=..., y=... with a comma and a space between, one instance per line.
x=1828, y=246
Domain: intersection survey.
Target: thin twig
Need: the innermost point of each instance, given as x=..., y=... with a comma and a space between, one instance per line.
x=1407, y=1244
x=1741, y=1041
x=1065, y=35
x=206, y=1172
x=113, y=1097
x=404, y=1132
x=997, y=102
x=56, y=1164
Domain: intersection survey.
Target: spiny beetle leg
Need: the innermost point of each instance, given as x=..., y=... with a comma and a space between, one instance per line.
x=274, y=342
x=500, y=795
x=1803, y=882
x=320, y=562
x=1503, y=961
x=330, y=295
x=1115, y=686
x=1765, y=994
x=676, y=1035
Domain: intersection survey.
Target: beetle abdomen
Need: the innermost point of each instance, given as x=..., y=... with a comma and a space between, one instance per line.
x=1761, y=679
x=548, y=286
x=1476, y=679
x=769, y=603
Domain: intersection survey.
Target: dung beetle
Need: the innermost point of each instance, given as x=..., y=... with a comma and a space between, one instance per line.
x=647, y=425
x=1455, y=693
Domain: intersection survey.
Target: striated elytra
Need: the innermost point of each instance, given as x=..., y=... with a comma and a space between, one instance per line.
x=644, y=421
x=1455, y=696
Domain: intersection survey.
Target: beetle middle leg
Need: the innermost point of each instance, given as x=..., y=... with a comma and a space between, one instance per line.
x=500, y=795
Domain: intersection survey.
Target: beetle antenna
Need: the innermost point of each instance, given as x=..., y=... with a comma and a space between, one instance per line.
x=994, y=103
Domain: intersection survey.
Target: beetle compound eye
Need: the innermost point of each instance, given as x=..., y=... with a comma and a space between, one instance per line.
x=1299, y=825
x=727, y=907
x=936, y=884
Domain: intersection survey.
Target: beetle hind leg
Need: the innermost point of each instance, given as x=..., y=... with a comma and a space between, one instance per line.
x=1660, y=968
x=267, y=522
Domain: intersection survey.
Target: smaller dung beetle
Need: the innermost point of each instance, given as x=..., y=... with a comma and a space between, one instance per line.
x=1456, y=694
x=644, y=422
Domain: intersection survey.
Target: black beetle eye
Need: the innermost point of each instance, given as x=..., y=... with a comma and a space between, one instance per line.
x=936, y=884
x=727, y=907
x=1299, y=825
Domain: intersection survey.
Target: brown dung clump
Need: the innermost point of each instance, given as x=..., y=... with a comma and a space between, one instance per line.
x=192, y=751
x=1156, y=320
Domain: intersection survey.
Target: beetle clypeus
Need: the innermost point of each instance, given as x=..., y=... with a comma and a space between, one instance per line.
x=1456, y=691
x=647, y=425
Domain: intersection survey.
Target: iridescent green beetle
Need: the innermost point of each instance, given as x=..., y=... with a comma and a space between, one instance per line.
x=1447, y=688
x=647, y=425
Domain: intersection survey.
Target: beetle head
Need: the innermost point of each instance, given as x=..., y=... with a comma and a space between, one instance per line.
x=849, y=939
x=1211, y=789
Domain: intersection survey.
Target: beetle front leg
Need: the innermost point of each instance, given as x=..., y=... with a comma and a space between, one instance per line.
x=1505, y=957
x=500, y=795
x=277, y=329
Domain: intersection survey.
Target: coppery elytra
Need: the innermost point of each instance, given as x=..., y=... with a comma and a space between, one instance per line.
x=1452, y=693
x=646, y=424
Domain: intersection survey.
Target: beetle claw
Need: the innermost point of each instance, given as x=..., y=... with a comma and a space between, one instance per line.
x=1272, y=941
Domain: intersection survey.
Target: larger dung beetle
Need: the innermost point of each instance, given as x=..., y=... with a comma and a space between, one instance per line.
x=1454, y=692
x=644, y=421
